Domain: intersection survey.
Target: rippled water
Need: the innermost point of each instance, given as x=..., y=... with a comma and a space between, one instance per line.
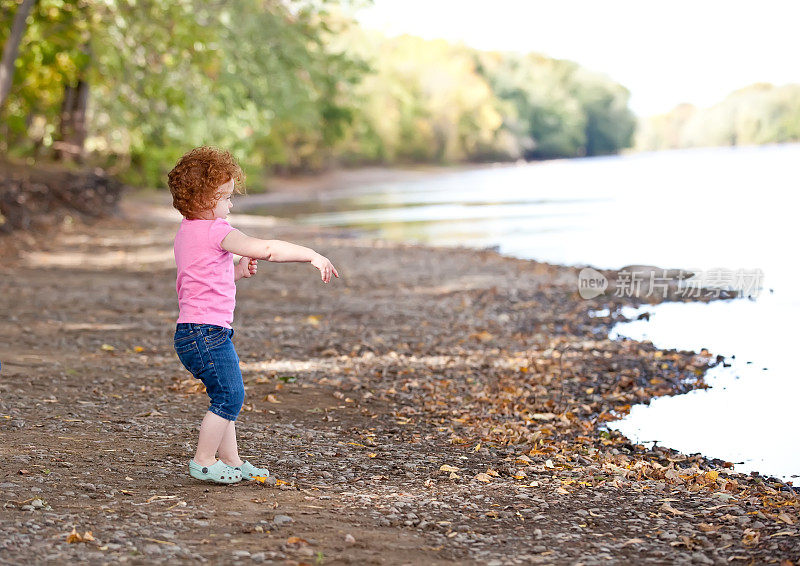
x=730, y=208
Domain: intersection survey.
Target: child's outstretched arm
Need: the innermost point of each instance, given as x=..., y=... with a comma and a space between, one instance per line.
x=277, y=250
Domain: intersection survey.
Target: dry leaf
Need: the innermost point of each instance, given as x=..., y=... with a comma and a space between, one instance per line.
x=785, y=518
x=448, y=468
x=671, y=509
x=271, y=398
x=483, y=477
x=544, y=416
x=75, y=536
x=562, y=491
x=483, y=336
x=750, y=537
x=492, y=472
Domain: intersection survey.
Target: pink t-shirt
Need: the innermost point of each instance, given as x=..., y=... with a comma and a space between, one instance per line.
x=205, y=284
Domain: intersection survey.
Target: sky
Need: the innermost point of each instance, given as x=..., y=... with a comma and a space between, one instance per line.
x=664, y=52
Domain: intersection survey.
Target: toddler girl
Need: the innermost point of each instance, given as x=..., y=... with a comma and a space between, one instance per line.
x=201, y=184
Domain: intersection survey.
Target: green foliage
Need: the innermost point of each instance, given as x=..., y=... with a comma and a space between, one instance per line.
x=291, y=85
x=559, y=109
x=755, y=115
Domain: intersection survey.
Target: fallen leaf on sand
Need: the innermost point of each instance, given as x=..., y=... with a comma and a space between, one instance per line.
x=271, y=398
x=447, y=468
x=483, y=477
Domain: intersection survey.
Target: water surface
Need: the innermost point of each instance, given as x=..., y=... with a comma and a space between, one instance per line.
x=728, y=208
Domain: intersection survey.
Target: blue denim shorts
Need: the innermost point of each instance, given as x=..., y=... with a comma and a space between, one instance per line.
x=207, y=352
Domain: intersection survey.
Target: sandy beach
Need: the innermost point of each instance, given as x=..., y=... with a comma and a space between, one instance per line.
x=431, y=406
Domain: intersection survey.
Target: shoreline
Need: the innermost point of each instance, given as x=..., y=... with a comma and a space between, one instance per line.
x=450, y=400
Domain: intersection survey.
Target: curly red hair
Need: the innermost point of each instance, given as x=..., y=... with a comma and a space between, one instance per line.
x=195, y=180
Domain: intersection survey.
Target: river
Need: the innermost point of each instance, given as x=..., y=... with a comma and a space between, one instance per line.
x=724, y=209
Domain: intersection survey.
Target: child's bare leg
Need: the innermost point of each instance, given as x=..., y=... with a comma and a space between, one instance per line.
x=211, y=432
x=228, y=451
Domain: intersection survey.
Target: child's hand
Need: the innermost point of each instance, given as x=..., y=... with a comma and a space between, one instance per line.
x=248, y=267
x=325, y=267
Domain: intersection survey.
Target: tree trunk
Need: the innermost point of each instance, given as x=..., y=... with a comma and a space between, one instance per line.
x=11, y=48
x=72, y=125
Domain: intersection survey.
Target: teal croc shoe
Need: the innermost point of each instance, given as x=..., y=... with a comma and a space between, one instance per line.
x=249, y=471
x=218, y=472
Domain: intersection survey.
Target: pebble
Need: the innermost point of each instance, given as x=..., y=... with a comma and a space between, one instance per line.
x=282, y=520
x=153, y=549
x=700, y=558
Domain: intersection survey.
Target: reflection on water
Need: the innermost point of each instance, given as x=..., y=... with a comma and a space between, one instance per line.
x=730, y=208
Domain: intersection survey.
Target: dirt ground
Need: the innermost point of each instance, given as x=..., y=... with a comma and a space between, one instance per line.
x=431, y=406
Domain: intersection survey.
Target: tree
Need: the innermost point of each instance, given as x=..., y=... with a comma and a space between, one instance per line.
x=11, y=48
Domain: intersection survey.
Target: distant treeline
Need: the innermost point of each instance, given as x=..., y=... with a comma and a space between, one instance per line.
x=287, y=86
x=755, y=115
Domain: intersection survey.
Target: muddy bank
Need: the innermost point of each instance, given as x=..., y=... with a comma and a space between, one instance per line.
x=431, y=406
x=39, y=199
